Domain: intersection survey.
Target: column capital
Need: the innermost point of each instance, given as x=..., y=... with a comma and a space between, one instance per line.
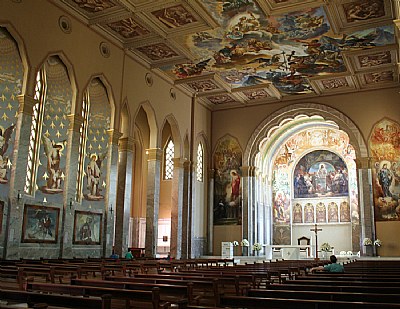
x=154, y=154
x=114, y=136
x=75, y=122
x=126, y=144
x=178, y=162
x=364, y=163
x=248, y=171
x=26, y=104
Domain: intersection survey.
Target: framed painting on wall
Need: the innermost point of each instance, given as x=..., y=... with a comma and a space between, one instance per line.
x=87, y=228
x=40, y=224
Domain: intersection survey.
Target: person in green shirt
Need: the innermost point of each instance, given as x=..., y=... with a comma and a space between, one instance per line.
x=129, y=255
x=333, y=267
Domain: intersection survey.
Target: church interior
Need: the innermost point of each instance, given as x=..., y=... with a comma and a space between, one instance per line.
x=176, y=126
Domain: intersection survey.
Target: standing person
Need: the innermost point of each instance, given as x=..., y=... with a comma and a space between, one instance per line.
x=129, y=255
x=334, y=267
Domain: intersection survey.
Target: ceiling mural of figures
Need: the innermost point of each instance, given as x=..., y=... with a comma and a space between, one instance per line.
x=255, y=51
x=250, y=48
x=384, y=143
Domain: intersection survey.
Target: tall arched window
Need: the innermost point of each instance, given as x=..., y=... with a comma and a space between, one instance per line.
x=37, y=116
x=199, y=167
x=168, y=162
x=82, y=145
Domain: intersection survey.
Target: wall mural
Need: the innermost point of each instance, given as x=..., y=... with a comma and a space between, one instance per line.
x=10, y=87
x=55, y=124
x=384, y=144
x=250, y=48
x=320, y=173
x=227, y=186
x=97, y=144
x=317, y=175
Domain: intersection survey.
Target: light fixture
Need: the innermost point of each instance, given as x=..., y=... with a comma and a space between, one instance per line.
x=19, y=195
x=111, y=209
x=70, y=203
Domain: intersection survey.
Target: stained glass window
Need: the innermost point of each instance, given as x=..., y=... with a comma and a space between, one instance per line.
x=168, y=160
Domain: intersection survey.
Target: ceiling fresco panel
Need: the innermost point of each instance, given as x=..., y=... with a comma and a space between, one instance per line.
x=256, y=50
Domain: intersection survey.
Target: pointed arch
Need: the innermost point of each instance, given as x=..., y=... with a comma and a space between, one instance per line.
x=23, y=55
x=125, y=120
x=309, y=109
x=176, y=135
x=151, y=122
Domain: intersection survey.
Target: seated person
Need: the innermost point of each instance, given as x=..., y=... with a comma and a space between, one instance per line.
x=129, y=255
x=331, y=268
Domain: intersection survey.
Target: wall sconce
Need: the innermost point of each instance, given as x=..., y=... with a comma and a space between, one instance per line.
x=19, y=195
x=111, y=209
x=71, y=203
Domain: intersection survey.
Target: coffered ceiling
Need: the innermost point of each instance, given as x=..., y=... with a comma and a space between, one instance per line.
x=243, y=52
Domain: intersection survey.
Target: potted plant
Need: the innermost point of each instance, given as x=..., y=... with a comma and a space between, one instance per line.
x=325, y=248
x=245, y=244
x=257, y=247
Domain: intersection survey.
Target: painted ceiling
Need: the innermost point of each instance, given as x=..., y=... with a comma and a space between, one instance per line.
x=243, y=52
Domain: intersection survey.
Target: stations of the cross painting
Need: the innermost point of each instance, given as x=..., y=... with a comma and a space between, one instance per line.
x=316, y=230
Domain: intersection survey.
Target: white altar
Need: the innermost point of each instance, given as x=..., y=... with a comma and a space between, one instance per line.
x=287, y=252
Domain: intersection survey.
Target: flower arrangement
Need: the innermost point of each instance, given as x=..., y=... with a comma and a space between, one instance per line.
x=367, y=241
x=257, y=246
x=235, y=243
x=377, y=242
x=326, y=247
x=244, y=243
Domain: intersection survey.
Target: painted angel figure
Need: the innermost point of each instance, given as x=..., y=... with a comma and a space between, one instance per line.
x=5, y=135
x=93, y=172
x=53, y=152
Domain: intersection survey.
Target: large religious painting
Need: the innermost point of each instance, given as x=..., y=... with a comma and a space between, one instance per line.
x=87, y=228
x=11, y=77
x=384, y=144
x=320, y=173
x=227, y=187
x=40, y=224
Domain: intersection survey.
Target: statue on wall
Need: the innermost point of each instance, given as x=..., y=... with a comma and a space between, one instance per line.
x=55, y=174
x=93, y=173
x=5, y=135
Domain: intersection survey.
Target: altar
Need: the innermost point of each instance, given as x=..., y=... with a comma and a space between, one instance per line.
x=287, y=252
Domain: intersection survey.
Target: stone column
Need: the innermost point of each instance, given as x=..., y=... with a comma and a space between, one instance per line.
x=210, y=237
x=72, y=192
x=124, y=193
x=248, y=204
x=153, y=199
x=111, y=195
x=14, y=211
x=366, y=202
x=176, y=209
x=186, y=237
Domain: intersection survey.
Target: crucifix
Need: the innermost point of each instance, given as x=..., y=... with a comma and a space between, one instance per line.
x=316, y=230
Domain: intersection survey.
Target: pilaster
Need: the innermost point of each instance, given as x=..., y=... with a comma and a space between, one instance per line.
x=153, y=199
x=124, y=194
x=176, y=208
x=111, y=195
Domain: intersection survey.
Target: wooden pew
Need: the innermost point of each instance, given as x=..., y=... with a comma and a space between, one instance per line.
x=337, y=288
x=286, y=303
x=32, y=298
x=152, y=298
x=318, y=295
x=175, y=294
x=204, y=289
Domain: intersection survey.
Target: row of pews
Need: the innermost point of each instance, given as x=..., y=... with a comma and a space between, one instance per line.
x=198, y=283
